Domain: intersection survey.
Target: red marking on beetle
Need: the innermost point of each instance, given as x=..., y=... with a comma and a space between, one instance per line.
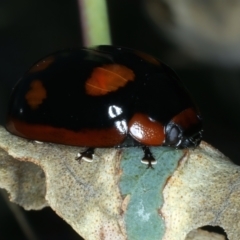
x=36, y=94
x=186, y=119
x=145, y=130
x=85, y=138
x=108, y=78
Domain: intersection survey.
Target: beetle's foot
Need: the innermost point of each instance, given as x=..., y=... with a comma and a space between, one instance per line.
x=148, y=157
x=86, y=155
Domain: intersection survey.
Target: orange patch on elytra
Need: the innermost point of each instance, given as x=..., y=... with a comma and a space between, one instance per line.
x=186, y=118
x=36, y=94
x=42, y=65
x=146, y=131
x=85, y=138
x=108, y=78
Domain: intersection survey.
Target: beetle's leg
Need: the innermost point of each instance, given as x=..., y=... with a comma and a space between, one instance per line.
x=86, y=155
x=148, y=157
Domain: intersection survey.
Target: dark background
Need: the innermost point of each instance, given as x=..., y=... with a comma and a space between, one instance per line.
x=30, y=30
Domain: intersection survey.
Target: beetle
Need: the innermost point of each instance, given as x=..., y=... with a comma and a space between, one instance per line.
x=104, y=97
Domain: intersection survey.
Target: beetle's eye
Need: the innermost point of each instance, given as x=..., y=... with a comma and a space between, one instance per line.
x=172, y=136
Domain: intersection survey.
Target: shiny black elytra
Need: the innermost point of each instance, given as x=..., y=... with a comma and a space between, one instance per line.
x=104, y=97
